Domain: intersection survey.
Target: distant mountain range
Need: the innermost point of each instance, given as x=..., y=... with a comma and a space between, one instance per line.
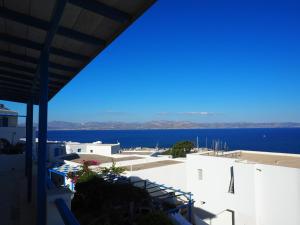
x=62, y=125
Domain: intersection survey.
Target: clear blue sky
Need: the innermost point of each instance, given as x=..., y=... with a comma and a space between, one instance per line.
x=200, y=60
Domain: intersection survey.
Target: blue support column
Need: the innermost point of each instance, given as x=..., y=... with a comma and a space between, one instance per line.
x=28, y=169
x=42, y=145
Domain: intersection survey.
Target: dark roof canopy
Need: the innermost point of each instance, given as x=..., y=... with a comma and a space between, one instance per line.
x=86, y=27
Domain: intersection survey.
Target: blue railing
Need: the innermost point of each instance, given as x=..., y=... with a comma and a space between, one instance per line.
x=65, y=213
x=147, y=185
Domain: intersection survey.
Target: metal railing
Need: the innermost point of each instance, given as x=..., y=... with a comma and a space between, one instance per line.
x=65, y=213
x=63, y=209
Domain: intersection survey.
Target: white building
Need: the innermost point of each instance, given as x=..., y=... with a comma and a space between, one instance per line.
x=8, y=118
x=97, y=148
x=55, y=149
x=232, y=188
x=245, y=188
x=9, y=129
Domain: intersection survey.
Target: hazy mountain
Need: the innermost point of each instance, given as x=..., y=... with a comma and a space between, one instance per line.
x=62, y=125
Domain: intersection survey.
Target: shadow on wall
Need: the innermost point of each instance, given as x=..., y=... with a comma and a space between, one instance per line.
x=203, y=217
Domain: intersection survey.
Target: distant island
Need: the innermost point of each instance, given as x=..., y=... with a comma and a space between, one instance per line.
x=63, y=125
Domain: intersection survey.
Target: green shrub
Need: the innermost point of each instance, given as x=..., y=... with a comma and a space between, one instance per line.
x=180, y=149
x=100, y=202
x=113, y=170
x=83, y=175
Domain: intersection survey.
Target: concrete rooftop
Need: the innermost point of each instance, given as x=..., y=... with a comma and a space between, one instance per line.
x=269, y=158
x=151, y=165
x=78, y=158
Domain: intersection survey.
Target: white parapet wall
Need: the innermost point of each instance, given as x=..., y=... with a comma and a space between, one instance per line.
x=54, y=217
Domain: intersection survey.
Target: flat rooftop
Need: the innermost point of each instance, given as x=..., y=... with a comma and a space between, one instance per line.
x=151, y=165
x=78, y=158
x=269, y=158
x=92, y=143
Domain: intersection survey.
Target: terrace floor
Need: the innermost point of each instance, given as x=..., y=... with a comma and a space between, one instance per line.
x=13, y=203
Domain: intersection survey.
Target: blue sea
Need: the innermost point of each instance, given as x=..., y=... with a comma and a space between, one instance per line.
x=261, y=139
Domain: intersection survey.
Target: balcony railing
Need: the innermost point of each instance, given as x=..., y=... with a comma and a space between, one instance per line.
x=65, y=213
x=63, y=210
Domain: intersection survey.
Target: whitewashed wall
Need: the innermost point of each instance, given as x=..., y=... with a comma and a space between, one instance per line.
x=88, y=148
x=214, y=184
x=73, y=148
x=106, y=150
x=277, y=195
x=264, y=194
x=244, y=204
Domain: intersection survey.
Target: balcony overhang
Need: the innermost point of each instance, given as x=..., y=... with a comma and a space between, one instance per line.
x=86, y=28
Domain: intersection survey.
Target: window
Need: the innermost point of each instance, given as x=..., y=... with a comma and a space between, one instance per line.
x=231, y=184
x=91, y=151
x=79, y=150
x=200, y=174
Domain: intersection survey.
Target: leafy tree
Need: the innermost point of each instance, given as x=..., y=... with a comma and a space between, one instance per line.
x=180, y=149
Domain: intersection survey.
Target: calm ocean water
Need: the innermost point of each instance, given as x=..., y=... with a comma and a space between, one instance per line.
x=273, y=139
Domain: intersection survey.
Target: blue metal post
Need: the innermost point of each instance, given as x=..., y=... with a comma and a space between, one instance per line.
x=43, y=112
x=42, y=145
x=29, y=126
